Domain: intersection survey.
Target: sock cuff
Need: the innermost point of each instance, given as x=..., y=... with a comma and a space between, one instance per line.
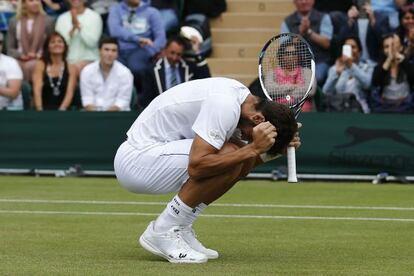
x=187, y=209
x=200, y=207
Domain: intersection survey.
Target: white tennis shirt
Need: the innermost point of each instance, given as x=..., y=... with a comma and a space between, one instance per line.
x=208, y=107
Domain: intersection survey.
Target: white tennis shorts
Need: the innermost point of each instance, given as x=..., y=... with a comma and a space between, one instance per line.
x=161, y=169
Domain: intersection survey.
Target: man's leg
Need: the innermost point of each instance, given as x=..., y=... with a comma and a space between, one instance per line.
x=195, y=196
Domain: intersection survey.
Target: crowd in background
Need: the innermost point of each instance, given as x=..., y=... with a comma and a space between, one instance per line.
x=364, y=52
x=100, y=55
x=108, y=55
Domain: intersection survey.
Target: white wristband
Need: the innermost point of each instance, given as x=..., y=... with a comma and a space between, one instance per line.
x=266, y=157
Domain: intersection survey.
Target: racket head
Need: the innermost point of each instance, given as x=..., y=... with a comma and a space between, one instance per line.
x=287, y=70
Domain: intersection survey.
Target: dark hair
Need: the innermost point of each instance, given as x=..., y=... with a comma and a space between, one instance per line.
x=283, y=119
x=283, y=49
x=177, y=39
x=46, y=54
x=354, y=38
x=108, y=40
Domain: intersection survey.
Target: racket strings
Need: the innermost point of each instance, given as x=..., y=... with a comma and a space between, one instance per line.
x=286, y=69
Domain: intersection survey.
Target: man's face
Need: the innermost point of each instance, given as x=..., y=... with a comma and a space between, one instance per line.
x=249, y=117
x=133, y=3
x=77, y=3
x=108, y=53
x=174, y=53
x=304, y=6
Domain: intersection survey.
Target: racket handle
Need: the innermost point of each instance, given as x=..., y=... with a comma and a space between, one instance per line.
x=291, y=158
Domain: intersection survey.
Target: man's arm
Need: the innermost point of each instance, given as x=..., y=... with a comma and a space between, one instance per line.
x=206, y=160
x=12, y=90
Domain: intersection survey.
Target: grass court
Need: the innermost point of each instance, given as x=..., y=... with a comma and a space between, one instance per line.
x=89, y=226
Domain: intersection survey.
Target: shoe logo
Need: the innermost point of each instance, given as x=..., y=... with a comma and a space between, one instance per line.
x=182, y=255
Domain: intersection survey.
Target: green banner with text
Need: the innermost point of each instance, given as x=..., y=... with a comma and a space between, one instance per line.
x=333, y=143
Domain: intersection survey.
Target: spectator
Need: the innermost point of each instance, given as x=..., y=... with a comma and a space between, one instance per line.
x=317, y=28
x=54, y=80
x=406, y=30
x=393, y=79
x=140, y=33
x=55, y=8
x=106, y=84
x=171, y=70
x=27, y=33
x=196, y=30
x=290, y=75
x=349, y=80
x=169, y=13
x=11, y=77
x=82, y=28
x=369, y=27
x=102, y=7
x=388, y=8
x=7, y=11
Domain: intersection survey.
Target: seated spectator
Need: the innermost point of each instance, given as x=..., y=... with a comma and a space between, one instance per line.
x=196, y=29
x=7, y=11
x=55, y=8
x=140, y=33
x=169, y=13
x=290, y=75
x=11, y=77
x=349, y=80
x=388, y=8
x=406, y=31
x=106, y=84
x=82, y=28
x=102, y=7
x=369, y=27
x=393, y=79
x=54, y=80
x=317, y=29
x=27, y=33
x=170, y=70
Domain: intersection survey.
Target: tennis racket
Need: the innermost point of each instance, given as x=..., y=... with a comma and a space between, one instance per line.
x=287, y=75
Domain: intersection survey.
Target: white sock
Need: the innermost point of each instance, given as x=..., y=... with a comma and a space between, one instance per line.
x=177, y=213
x=200, y=208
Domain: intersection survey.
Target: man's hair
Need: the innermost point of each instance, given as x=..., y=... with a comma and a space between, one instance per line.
x=108, y=40
x=177, y=39
x=354, y=38
x=283, y=119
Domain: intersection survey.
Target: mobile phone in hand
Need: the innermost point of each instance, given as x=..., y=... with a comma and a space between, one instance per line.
x=347, y=51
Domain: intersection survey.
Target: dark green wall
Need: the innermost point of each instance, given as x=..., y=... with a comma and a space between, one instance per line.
x=347, y=143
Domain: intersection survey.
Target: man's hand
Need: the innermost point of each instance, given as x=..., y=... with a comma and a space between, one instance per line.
x=264, y=135
x=304, y=25
x=145, y=41
x=339, y=65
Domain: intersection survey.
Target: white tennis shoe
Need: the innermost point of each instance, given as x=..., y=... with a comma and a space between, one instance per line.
x=190, y=237
x=170, y=245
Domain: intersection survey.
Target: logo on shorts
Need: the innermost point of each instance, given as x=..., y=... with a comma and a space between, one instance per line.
x=214, y=134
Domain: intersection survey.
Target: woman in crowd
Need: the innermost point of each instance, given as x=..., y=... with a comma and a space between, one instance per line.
x=393, y=79
x=349, y=80
x=290, y=76
x=26, y=34
x=54, y=81
x=406, y=30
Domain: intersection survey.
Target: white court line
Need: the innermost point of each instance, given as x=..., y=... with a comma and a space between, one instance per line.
x=40, y=201
x=30, y=212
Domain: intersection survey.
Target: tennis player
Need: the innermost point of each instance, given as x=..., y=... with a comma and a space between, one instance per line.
x=198, y=139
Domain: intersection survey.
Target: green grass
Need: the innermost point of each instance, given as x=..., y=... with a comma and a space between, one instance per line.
x=100, y=239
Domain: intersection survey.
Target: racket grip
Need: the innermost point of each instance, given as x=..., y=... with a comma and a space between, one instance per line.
x=291, y=158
